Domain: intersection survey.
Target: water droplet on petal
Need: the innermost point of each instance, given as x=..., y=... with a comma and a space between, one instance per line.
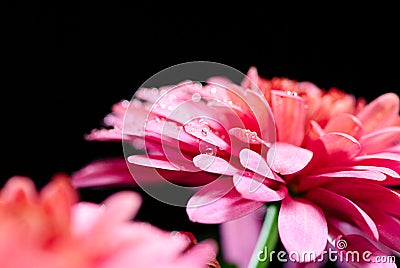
x=154, y=90
x=207, y=148
x=125, y=103
x=213, y=90
x=198, y=85
x=163, y=105
x=196, y=97
x=210, y=151
x=204, y=131
x=291, y=93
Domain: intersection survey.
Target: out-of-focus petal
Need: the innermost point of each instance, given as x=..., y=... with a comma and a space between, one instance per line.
x=18, y=189
x=238, y=246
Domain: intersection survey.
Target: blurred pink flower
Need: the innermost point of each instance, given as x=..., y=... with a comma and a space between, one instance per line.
x=51, y=229
x=335, y=160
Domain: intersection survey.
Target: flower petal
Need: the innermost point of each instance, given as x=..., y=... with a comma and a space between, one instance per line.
x=383, y=198
x=302, y=227
x=345, y=123
x=380, y=140
x=343, y=208
x=256, y=188
x=361, y=174
x=214, y=164
x=380, y=112
x=20, y=189
x=239, y=237
x=287, y=159
x=254, y=162
x=263, y=115
x=164, y=162
x=111, y=171
x=289, y=114
x=334, y=147
x=389, y=227
x=219, y=202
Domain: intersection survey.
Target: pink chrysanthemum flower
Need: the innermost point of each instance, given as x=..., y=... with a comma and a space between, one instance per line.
x=334, y=163
x=51, y=229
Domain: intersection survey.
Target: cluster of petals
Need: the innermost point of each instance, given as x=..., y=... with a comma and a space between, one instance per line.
x=333, y=161
x=51, y=229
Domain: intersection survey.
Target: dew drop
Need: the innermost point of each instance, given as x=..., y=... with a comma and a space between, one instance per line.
x=196, y=97
x=163, y=105
x=209, y=151
x=291, y=93
x=207, y=148
x=154, y=90
x=125, y=103
x=213, y=90
x=204, y=131
x=198, y=85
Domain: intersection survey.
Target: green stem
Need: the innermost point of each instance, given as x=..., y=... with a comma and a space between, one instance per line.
x=267, y=240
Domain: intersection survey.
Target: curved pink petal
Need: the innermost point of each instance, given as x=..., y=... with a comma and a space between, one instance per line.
x=343, y=208
x=290, y=115
x=263, y=115
x=245, y=135
x=18, y=188
x=219, y=202
x=380, y=140
x=163, y=162
x=105, y=135
x=380, y=156
x=103, y=172
x=302, y=227
x=214, y=164
x=361, y=174
x=388, y=226
x=334, y=147
x=287, y=159
x=379, y=197
x=255, y=162
x=122, y=206
x=256, y=188
x=379, y=113
x=345, y=123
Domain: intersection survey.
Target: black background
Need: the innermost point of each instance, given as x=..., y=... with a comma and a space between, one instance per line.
x=65, y=64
